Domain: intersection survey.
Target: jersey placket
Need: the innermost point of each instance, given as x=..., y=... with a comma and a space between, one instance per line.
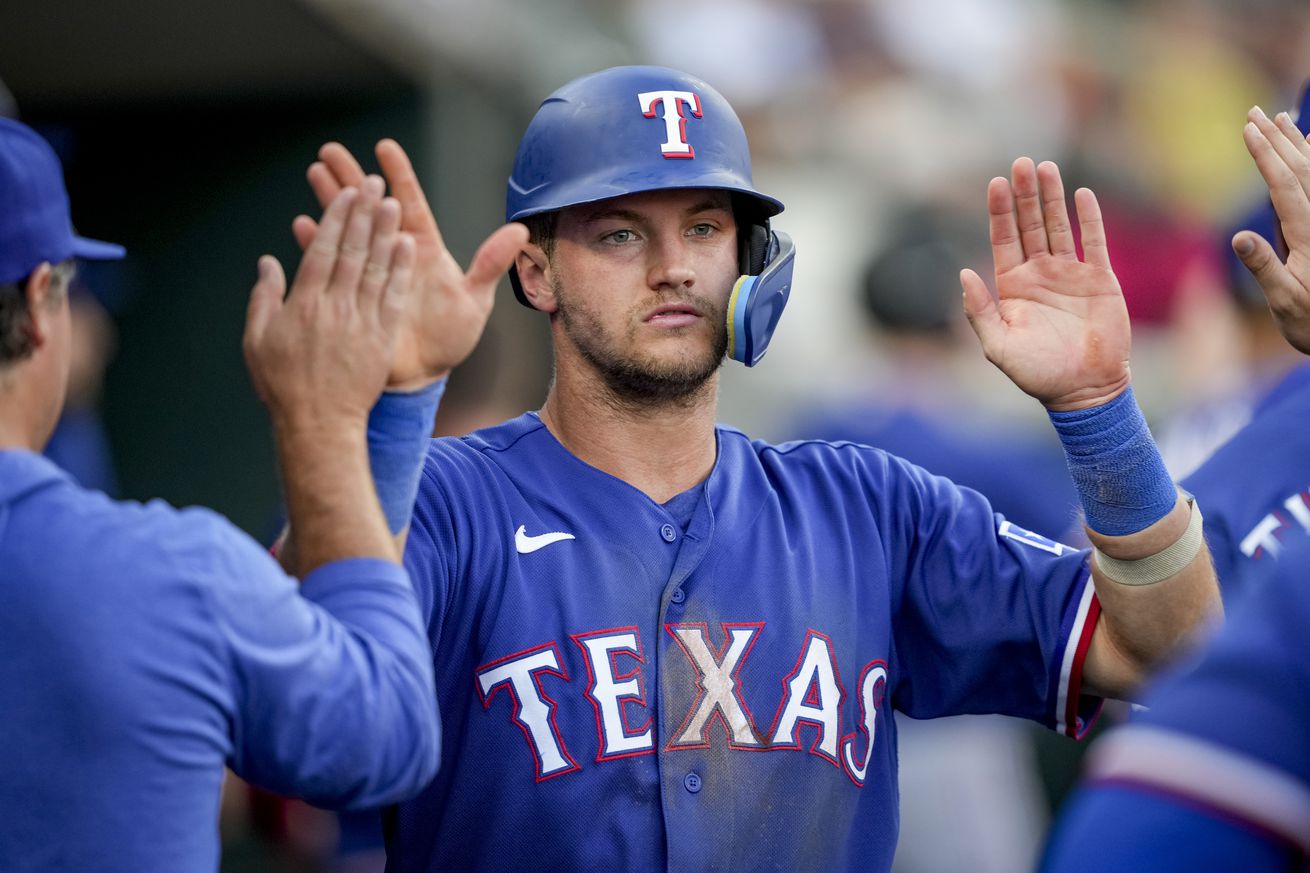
x=680, y=770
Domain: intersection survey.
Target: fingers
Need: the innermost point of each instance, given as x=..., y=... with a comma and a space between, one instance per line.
x=1029, y=217
x=339, y=167
x=321, y=256
x=265, y=301
x=1293, y=133
x=1288, y=299
x=1095, y=251
x=303, y=228
x=981, y=310
x=1031, y=223
x=265, y=298
x=356, y=240
x=1055, y=212
x=323, y=183
x=494, y=257
x=386, y=224
x=395, y=298
x=1007, y=250
x=1288, y=146
x=416, y=214
x=1285, y=189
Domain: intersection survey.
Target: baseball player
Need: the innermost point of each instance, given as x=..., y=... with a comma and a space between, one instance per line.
x=1192, y=785
x=1253, y=510
x=142, y=648
x=663, y=645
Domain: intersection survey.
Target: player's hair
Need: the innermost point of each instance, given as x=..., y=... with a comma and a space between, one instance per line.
x=16, y=318
x=910, y=286
x=541, y=230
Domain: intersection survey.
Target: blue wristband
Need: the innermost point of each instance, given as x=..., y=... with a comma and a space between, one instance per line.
x=1115, y=466
x=399, y=429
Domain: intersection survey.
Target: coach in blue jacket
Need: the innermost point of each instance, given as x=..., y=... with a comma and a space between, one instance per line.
x=142, y=649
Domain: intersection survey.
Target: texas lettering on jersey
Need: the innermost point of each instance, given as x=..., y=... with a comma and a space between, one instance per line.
x=812, y=694
x=1254, y=512
x=1267, y=535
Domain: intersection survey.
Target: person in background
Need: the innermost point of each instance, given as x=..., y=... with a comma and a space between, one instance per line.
x=920, y=410
x=1214, y=775
x=1255, y=508
x=143, y=648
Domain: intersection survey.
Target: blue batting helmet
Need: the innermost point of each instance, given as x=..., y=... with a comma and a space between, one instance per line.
x=626, y=130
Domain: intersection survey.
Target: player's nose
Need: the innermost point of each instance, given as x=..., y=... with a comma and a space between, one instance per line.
x=671, y=266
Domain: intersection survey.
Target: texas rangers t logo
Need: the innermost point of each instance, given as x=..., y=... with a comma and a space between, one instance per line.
x=675, y=144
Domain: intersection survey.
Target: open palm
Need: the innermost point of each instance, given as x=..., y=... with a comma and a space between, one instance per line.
x=1058, y=326
x=450, y=307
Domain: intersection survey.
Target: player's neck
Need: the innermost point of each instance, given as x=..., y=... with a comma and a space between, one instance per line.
x=661, y=450
x=21, y=424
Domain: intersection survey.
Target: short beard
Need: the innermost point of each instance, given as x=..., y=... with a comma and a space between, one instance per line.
x=642, y=382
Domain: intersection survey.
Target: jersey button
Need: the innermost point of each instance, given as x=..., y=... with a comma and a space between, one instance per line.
x=691, y=782
x=678, y=595
x=668, y=533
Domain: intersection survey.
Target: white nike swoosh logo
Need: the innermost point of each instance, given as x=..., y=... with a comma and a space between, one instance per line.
x=526, y=544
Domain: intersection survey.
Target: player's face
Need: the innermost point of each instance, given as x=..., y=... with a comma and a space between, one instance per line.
x=642, y=285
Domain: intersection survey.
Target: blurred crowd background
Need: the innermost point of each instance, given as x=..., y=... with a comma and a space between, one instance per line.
x=186, y=127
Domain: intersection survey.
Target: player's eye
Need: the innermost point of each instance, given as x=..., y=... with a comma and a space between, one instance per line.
x=622, y=235
x=704, y=228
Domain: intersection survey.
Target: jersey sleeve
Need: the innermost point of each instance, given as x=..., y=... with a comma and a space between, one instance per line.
x=988, y=617
x=431, y=548
x=1220, y=538
x=1219, y=754
x=1118, y=829
x=332, y=682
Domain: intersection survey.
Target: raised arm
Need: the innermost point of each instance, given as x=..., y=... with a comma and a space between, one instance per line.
x=440, y=328
x=1058, y=327
x=333, y=680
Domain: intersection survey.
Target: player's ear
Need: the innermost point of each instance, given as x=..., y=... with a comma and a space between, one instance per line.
x=534, y=275
x=39, y=292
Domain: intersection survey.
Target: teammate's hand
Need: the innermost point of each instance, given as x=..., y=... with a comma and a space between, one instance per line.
x=1283, y=156
x=320, y=355
x=450, y=307
x=1058, y=326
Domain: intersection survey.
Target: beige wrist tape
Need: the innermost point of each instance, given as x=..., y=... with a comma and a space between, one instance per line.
x=1161, y=565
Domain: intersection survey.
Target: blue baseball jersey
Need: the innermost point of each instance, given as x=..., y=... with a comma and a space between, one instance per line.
x=621, y=691
x=1022, y=475
x=1255, y=489
x=142, y=649
x=1215, y=775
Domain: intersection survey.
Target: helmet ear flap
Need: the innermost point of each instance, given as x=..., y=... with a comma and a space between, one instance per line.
x=753, y=247
x=761, y=292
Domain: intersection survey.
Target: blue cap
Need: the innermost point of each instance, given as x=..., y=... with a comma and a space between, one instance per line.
x=34, y=221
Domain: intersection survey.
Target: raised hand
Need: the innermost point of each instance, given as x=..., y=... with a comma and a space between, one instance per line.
x=450, y=307
x=1283, y=157
x=1058, y=326
x=320, y=356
